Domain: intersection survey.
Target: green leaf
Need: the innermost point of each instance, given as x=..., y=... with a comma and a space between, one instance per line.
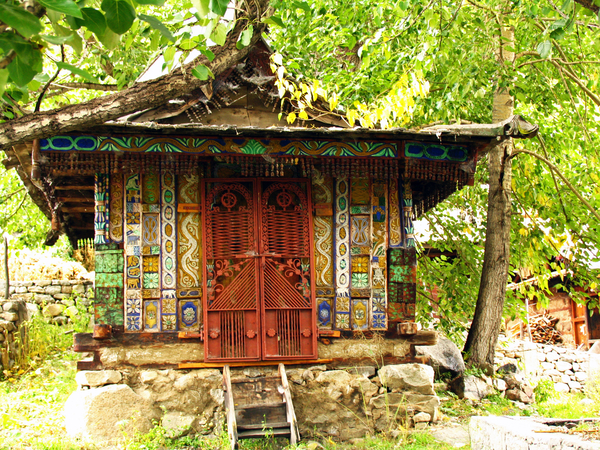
x=76, y=43
x=202, y=72
x=219, y=7
x=23, y=21
x=544, y=49
x=93, y=20
x=21, y=72
x=68, y=7
x=202, y=6
x=210, y=55
x=302, y=5
x=157, y=25
x=558, y=34
x=245, y=38
x=219, y=34
x=119, y=15
x=3, y=80
x=274, y=20
x=150, y=2
x=56, y=40
x=76, y=70
x=110, y=39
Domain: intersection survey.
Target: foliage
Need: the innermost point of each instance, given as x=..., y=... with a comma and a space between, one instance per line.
x=48, y=264
x=31, y=406
x=19, y=217
x=43, y=339
x=359, y=50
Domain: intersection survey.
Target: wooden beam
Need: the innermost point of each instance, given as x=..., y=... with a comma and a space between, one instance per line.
x=74, y=188
x=77, y=209
x=75, y=199
x=203, y=365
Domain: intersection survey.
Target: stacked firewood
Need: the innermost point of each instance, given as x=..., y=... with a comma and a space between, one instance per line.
x=543, y=329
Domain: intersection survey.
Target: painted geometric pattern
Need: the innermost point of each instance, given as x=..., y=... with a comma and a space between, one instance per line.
x=402, y=284
x=151, y=188
x=151, y=315
x=359, y=191
x=133, y=296
x=101, y=216
x=189, y=235
x=378, y=260
x=215, y=146
x=168, y=251
x=189, y=314
x=116, y=208
x=342, y=255
x=395, y=234
x=322, y=195
x=409, y=238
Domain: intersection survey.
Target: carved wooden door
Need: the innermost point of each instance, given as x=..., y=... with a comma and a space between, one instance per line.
x=259, y=301
x=288, y=315
x=231, y=299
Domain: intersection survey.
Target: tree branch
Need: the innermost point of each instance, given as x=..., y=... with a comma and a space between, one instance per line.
x=589, y=4
x=90, y=86
x=12, y=194
x=7, y=59
x=561, y=176
x=143, y=95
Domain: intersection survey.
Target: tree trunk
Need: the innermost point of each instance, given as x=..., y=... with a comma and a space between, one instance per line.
x=483, y=335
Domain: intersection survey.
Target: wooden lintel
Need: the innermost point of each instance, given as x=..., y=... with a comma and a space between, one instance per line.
x=74, y=188
x=75, y=199
x=204, y=365
x=84, y=342
x=330, y=333
x=77, y=209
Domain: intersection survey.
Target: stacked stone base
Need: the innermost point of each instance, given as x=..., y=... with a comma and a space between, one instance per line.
x=567, y=369
x=335, y=404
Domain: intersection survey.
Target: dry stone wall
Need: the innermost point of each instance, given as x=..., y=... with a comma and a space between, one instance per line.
x=57, y=300
x=568, y=369
x=342, y=404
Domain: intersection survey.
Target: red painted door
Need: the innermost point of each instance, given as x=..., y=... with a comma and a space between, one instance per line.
x=231, y=300
x=259, y=301
x=289, y=321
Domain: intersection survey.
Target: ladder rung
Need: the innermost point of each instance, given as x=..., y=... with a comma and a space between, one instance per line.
x=263, y=433
x=260, y=405
x=265, y=426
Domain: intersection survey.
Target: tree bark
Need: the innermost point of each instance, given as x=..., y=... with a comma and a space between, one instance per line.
x=140, y=96
x=480, y=346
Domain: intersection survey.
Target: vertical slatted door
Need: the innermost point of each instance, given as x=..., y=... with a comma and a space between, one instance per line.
x=232, y=321
x=289, y=321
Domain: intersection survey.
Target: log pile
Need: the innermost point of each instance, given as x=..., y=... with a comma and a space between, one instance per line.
x=543, y=329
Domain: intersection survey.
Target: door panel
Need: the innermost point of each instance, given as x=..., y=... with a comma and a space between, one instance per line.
x=258, y=271
x=289, y=323
x=232, y=320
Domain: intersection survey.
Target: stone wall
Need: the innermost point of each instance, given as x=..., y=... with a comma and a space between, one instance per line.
x=341, y=404
x=54, y=299
x=568, y=369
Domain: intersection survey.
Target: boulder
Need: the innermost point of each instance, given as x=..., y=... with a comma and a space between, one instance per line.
x=508, y=368
x=561, y=387
x=95, y=378
x=443, y=357
x=32, y=310
x=470, y=387
x=106, y=414
x=177, y=424
x=417, y=378
x=53, y=310
x=520, y=395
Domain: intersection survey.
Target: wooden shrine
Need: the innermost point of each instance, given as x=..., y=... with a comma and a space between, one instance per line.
x=251, y=238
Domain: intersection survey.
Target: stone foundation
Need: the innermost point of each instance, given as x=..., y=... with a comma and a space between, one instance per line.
x=568, y=369
x=520, y=433
x=54, y=299
x=340, y=404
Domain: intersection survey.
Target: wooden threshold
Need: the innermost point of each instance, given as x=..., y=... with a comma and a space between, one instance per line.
x=208, y=365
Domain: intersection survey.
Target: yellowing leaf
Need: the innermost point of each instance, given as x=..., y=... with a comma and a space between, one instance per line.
x=291, y=118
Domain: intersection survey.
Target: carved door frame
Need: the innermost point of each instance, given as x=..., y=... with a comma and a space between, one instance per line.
x=259, y=339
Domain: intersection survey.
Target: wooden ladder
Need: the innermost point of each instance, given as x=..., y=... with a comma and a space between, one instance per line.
x=258, y=407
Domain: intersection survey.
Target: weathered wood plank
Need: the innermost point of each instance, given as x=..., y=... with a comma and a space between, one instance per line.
x=289, y=407
x=230, y=408
x=300, y=362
